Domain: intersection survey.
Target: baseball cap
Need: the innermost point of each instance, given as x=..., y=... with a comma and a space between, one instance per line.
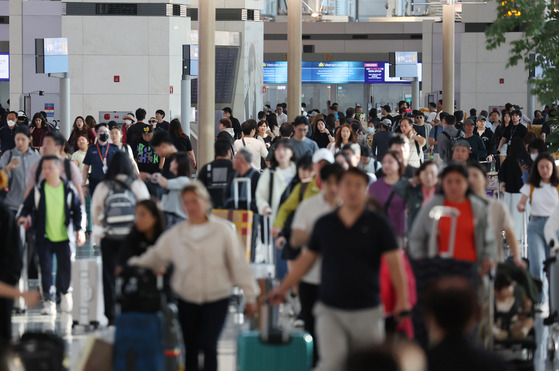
x=481, y=118
x=386, y=123
x=146, y=129
x=469, y=122
x=323, y=154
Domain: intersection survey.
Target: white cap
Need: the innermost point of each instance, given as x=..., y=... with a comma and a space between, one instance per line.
x=323, y=154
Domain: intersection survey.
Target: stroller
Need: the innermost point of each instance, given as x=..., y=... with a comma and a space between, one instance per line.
x=510, y=315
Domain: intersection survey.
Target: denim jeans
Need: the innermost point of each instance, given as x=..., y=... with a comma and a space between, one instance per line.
x=538, y=251
x=46, y=249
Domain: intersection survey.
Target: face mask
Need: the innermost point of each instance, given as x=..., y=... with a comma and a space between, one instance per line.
x=534, y=156
x=11, y=123
x=128, y=122
x=103, y=137
x=370, y=130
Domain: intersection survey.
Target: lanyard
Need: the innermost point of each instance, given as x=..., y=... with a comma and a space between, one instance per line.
x=106, y=152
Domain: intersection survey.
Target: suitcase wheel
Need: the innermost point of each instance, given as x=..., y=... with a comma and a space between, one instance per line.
x=19, y=311
x=95, y=324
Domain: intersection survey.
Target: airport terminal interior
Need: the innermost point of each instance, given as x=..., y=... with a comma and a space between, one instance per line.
x=278, y=185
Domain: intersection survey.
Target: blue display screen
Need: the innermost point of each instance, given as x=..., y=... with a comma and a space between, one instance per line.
x=342, y=72
x=56, y=63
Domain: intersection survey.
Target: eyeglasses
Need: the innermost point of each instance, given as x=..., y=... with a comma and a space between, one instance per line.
x=152, y=121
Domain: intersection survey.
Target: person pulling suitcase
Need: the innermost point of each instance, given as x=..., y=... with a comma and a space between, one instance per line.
x=208, y=262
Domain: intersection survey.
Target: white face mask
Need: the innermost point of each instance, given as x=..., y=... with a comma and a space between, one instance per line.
x=534, y=156
x=128, y=122
x=11, y=123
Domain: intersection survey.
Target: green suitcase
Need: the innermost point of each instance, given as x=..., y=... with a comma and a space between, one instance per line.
x=276, y=354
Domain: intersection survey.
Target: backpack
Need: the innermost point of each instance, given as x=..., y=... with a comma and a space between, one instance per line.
x=451, y=141
x=119, y=209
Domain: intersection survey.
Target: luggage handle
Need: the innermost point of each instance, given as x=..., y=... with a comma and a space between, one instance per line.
x=267, y=225
x=525, y=232
x=266, y=335
x=236, y=195
x=436, y=213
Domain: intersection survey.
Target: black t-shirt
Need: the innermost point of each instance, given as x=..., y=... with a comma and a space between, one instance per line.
x=515, y=131
x=146, y=158
x=321, y=139
x=351, y=259
x=182, y=144
x=133, y=135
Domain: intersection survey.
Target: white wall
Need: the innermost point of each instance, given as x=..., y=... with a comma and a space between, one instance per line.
x=145, y=52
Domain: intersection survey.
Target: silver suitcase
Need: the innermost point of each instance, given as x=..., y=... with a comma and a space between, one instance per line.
x=87, y=284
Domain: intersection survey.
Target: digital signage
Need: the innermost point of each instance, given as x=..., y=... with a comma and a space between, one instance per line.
x=342, y=72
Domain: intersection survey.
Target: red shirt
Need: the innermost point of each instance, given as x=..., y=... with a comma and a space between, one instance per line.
x=465, y=244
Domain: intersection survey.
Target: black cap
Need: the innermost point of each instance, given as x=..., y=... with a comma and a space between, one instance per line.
x=146, y=129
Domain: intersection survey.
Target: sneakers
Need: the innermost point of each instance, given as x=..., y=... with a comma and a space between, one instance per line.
x=67, y=303
x=49, y=308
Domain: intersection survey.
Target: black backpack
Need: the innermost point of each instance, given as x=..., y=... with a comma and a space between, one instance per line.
x=451, y=141
x=138, y=290
x=119, y=209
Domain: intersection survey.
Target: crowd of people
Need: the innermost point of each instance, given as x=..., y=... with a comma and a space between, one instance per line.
x=349, y=197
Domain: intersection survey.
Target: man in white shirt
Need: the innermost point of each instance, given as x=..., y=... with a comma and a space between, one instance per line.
x=308, y=212
x=281, y=117
x=255, y=146
x=432, y=113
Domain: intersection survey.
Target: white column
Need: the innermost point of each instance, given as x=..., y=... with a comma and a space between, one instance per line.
x=65, y=121
x=415, y=101
x=448, y=56
x=186, y=101
x=206, y=81
x=294, y=57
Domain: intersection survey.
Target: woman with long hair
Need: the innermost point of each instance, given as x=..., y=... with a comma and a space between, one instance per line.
x=542, y=191
x=38, y=128
x=320, y=133
x=393, y=205
x=516, y=163
x=171, y=200
x=272, y=120
x=181, y=140
x=418, y=191
x=81, y=127
x=263, y=133
x=149, y=224
x=120, y=173
x=344, y=136
x=500, y=133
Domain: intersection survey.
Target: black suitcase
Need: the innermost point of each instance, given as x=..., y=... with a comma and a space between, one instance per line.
x=41, y=352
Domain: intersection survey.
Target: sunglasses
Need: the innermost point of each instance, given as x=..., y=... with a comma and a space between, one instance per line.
x=152, y=121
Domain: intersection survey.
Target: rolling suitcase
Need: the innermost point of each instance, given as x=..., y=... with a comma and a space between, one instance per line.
x=87, y=285
x=148, y=335
x=437, y=264
x=243, y=219
x=273, y=349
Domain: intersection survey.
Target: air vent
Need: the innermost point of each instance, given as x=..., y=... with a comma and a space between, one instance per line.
x=360, y=37
x=116, y=9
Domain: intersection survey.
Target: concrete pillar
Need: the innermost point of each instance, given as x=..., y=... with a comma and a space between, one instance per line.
x=448, y=56
x=206, y=81
x=65, y=120
x=415, y=101
x=186, y=101
x=294, y=57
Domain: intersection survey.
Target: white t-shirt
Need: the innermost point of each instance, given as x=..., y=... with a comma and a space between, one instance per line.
x=308, y=212
x=288, y=174
x=256, y=147
x=281, y=118
x=544, y=198
x=431, y=117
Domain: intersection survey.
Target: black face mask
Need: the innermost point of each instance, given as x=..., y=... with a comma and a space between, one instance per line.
x=103, y=137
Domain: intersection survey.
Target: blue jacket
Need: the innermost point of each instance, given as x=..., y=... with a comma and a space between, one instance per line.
x=35, y=202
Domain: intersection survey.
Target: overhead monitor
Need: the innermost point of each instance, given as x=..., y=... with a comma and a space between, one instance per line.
x=4, y=67
x=51, y=55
